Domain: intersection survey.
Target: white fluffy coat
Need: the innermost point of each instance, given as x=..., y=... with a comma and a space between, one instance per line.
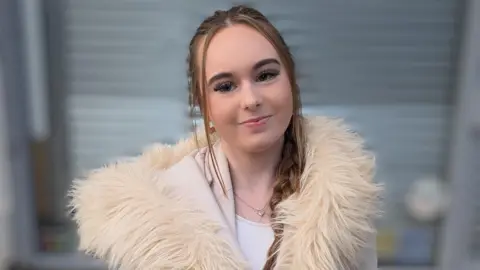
x=164, y=210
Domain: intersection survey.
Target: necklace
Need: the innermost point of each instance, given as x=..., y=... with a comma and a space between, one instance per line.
x=260, y=212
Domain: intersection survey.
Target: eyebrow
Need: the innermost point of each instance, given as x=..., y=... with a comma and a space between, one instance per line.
x=257, y=65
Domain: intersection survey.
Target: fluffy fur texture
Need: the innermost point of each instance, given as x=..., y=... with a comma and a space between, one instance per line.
x=130, y=217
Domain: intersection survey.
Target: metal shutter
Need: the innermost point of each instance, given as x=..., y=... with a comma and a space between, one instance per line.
x=385, y=65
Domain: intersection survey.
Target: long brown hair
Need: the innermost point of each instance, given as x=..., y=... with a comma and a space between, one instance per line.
x=292, y=162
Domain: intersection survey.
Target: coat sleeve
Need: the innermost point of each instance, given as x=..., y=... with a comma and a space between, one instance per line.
x=368, y=255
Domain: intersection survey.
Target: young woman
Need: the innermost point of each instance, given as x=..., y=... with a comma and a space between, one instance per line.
x=260, y=187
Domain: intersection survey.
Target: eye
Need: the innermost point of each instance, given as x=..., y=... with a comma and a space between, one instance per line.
x=267, y=75
x=224, y=87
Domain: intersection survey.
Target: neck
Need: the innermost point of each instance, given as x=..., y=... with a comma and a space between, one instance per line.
x=253, y=171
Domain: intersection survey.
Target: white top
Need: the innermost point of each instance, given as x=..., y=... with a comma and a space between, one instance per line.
x=254, y=240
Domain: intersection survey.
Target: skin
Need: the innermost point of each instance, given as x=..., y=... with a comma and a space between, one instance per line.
x=246, y=80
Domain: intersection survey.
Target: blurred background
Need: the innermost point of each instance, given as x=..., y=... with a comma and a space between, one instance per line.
x=85, y=81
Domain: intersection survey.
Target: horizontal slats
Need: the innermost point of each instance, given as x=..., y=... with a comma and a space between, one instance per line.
x=386, y=66
x=105, y=127
x=388, y=63
x=109, y=124
x=393, y=51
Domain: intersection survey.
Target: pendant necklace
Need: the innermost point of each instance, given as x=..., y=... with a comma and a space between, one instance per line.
x=260, y=212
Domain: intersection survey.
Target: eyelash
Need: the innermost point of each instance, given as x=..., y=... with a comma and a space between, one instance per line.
x=222, y=87
x=271, y=72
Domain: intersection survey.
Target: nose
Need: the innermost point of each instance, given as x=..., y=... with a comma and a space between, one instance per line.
x=251, y=97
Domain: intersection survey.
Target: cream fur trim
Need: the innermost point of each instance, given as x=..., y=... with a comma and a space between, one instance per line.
x=129, y=217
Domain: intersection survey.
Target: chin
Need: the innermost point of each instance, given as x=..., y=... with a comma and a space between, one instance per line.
x=261, y=143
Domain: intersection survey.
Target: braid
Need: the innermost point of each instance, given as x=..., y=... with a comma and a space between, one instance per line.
x=288, y=182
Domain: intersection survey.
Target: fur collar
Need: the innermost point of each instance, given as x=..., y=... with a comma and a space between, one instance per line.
x=131, y=218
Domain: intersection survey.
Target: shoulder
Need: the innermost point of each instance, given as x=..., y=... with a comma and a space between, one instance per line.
x=124, y=209
x=321, y=129
x=188, y=170
x=333, y=144
x=338, y=196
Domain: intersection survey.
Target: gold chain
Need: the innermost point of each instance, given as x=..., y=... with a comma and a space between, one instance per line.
x=260, y=212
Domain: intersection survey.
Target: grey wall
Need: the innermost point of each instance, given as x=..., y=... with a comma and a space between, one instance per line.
x=16, y=137
x=6, y=196
x=462, y=227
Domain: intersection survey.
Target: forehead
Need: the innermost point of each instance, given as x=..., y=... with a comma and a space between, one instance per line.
x=237, y=48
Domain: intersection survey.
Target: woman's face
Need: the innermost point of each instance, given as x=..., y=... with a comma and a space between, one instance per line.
x=248, y=92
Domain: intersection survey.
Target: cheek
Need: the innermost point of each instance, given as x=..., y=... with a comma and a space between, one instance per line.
x=218, y=109
x=283, y=97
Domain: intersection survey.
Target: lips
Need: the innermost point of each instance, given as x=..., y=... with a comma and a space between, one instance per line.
x=255, y=120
